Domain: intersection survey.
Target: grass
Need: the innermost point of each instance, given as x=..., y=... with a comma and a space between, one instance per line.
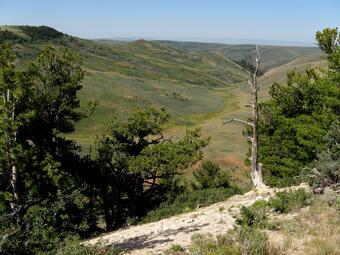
x=242, y=240
x=175, y=249
x=278, y=74
x=315, y=231
x=118, y=96
x=272, y=56
x=207, y=245
x=198, y=83
x=312, y=230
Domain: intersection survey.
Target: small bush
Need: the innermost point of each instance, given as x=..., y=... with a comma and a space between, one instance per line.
x=254, y=242
x=285, y=202
x=210, y=175
x=206, y=245
x=256, y=216
x=72, y=246
x=329, y=196
x=114, y=250
x=251, y=217
x=176, y=248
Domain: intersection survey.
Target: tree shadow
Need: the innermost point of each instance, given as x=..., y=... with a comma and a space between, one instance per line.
x=147, y=241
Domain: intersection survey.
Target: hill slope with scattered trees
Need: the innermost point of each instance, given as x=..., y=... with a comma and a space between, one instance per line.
x=52, y=195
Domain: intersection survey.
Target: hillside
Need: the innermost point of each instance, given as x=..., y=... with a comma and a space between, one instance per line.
x=306, y=229
x=157, y=237
x=126, y=75
x=272, y=56
x=150, y=186
x=198, y=83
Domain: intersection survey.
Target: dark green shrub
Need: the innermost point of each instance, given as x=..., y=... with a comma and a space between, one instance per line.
x=5, y=198
x=8, y=36
x=210, y=175
x=295, y=120
x=11, y=241
x=287, y=201
x=325, y=171
x=40, y=32
x=255, y=215
x=71, y=246
x=40, y=234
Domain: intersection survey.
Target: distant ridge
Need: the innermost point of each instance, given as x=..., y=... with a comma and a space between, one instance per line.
x=184, y=77
x=233, y=41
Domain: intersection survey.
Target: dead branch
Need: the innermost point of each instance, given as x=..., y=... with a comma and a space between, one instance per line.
x=238, y=120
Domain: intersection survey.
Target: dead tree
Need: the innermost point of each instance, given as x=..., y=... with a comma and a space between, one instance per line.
x=10, y=137
x=256, y=167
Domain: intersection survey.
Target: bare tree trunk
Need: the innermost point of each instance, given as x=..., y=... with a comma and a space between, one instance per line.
x=14, y=180
x=256, y=167
x=11, y=140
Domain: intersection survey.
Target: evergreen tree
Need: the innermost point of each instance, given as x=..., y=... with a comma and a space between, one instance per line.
x=299, y=114
x=137, y=167
x=14, y=90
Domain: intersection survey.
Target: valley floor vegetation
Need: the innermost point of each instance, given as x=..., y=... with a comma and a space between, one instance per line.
x=52, y=196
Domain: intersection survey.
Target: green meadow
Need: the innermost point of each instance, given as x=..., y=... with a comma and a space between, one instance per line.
x=199, y=84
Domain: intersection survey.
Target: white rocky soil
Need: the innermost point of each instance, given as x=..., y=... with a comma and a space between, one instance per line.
x=156, y=237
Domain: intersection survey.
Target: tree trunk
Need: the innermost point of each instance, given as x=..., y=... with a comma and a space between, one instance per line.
x=11, y=138
x=256, y=168
x=107, y=214
x=92, y=220
x=15, y=204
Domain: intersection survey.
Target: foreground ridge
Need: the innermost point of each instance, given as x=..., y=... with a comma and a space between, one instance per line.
x=157, y=237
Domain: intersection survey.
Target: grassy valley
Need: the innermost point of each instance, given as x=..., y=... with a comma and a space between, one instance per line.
x=199, y=84
x=169, y=176
x=126, y=75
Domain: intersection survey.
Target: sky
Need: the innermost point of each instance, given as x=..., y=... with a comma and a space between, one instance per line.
x=189, y=20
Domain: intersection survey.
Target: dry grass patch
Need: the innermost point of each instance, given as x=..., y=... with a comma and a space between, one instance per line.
x=314, y=231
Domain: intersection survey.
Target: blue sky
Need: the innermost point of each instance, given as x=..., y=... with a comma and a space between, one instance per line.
x=204, y=20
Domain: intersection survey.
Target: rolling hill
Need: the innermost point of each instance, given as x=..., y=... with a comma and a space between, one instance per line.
x=272, y=56
x=198, y=83
x=122, y=76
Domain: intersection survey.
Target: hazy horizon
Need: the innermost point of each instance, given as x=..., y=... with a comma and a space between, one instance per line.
x=207, y=21
x=231, y=41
